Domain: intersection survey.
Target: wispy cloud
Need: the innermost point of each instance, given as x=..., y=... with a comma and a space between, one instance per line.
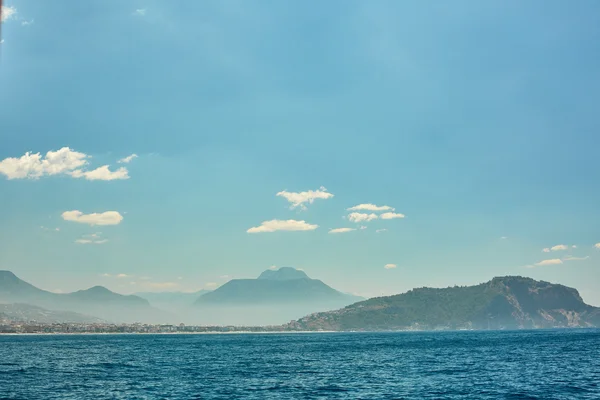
x=94, y=238
x=341, y=230
x=543, y=263
x=558, y=247
x=128, y=159
x=118, y=276
x=140, y=12
x=380, y=230
x=390, y=266
x=282, y=225
x=503, y=237
x=299, y=199
x=370, y=207
x=105, y=218
x=361, y=217
x=102, y=173
x=391, y=215
x=573, y=258
x=7, y=12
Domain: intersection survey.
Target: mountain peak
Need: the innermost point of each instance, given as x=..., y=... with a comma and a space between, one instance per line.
x=283, y=274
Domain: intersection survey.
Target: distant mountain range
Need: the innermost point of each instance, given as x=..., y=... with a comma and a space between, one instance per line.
x=29, y=313
x=97, y=301
x=510, y=302
x=275, y=297
x=172, y=301
x=283, y=286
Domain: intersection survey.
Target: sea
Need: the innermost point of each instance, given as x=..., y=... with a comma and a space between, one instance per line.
x=536, y=364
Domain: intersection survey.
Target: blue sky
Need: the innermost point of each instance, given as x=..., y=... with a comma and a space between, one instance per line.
x=477, y=121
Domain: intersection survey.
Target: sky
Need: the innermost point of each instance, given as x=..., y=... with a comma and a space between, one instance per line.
x=379, y=146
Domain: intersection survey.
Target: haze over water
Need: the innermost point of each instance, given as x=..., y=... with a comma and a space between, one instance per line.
x=546, y=364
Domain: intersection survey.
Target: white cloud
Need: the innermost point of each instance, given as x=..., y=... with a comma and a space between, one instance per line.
x=105, y=218
x=121, y=276
x=391, y=215
x=360, y=217
x=273, y=267
x=597, y=245
x=574, y=247
x=25, y=23
x=299, y=199
x=380, y=230
x=128, y=159
x=363, y=227
x=7, y=12
x=546, y=250
x=341, y=230
x=64, y=161
x=559, y=247
x=370, y=207
x=390, y=266
x=102, y=173
x=93, y=238
x=503, y=237
x=140, y=11
x=282, y=225
x=573, y=258
x=224, y=277
x=553, y=261
x=33, y=165
x=106, y=275
x=211, y=285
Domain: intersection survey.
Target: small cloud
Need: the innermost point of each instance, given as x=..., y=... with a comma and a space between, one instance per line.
x=361, y=217
x=102, y=173
x=49, y=229
x=546, y=250
x=597, y=245
x=121, y=276
x=25, y=23
x=128, y=159
x=273, y=267
x=211, y=285
x=553, y=261
x=299, y=199
x=341, y=230
x=299, y=269
x=380, y=230
x=362, y=227
x=225, y=276
x=574, y=246
x=391, y=215
x=106, y=275
x=83, y=241
x=281, y=225
x=573, y=258
x=179, y=278
x=559, y=247
x=105, y=218
x=7, y=12
x=370, y=207
x=93, y=238
x=503, y=237
x=390, y=266
x=140, y=12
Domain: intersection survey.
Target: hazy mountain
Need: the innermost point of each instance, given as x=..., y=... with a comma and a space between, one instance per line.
x=510, y=302
x=29, y=313
x=274, y=297
x=97, y=301
x=172, y=301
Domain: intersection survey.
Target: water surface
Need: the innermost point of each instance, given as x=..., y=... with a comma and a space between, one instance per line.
x=548, y=364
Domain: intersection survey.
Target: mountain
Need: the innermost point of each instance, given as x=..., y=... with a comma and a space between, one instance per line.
x=274, y=297
x=29, y=313
x=172, y=301
x=97, y=301
x=510, y=302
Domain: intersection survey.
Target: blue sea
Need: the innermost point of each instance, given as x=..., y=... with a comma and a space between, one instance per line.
x=543, y=364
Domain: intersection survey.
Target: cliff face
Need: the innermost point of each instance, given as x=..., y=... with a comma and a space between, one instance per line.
x=502, y=303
